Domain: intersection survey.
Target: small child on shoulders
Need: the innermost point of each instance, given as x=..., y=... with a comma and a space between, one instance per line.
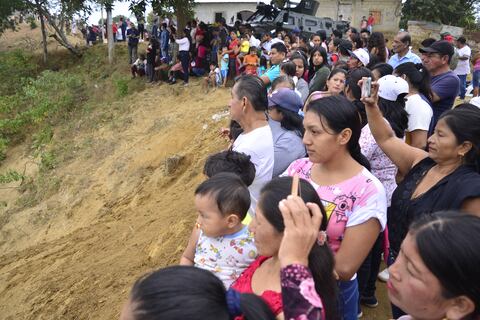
x=221, y=243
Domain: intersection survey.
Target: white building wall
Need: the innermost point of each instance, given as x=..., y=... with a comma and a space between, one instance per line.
x=206, y=11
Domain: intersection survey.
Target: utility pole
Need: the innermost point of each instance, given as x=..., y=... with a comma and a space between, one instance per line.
x=111, y=44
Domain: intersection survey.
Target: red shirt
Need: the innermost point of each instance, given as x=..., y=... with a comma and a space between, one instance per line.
x=370, y=21
x=244, y=285
x=231, y=46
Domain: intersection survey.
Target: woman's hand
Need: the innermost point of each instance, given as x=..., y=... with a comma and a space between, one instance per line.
x=302, y=224
x=373, y=99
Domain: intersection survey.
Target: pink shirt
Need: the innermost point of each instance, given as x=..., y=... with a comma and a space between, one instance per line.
x=348, y=203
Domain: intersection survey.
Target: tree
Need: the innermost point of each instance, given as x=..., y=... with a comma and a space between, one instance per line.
x=56, y=13
x=182, y=9
x=452, y=12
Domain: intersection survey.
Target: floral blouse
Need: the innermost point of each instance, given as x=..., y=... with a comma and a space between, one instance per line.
x=300, y=300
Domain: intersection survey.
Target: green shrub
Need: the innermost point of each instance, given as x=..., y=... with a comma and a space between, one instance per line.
x=48, y=161
x=122, y=87
x=11, y=176
x=32, y=22
x=15, y=65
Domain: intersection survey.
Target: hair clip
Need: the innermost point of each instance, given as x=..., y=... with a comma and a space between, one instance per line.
x=322, y=238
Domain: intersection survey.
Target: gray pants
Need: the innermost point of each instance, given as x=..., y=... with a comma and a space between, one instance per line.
x=132, y=53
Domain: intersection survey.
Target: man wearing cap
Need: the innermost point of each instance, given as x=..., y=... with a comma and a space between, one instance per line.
x=278, y=53
x=463, y=66
x=283, y=107
x=358, y=58
x=401, y=46
x=445, y=83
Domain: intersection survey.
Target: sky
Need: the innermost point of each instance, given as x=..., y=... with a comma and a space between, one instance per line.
x=119, y=8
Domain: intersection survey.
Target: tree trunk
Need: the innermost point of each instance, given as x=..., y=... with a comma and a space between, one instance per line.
x=111, y=43
x=44, y=39
x=59, y=34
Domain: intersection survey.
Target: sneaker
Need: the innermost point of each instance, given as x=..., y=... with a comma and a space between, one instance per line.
x=173, y=81
x=185, y=84
x=384, y=275
x=370, y=302
x=360, y=314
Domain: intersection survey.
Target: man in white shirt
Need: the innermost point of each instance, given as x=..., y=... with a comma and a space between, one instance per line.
x=463, y=66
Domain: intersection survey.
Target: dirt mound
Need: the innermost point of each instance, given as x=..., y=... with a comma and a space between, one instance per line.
x=123, y=208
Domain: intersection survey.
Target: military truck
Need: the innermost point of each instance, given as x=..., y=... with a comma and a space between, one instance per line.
x=268, y=18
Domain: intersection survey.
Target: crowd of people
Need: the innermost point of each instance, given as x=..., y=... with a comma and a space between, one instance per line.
x=323, y=176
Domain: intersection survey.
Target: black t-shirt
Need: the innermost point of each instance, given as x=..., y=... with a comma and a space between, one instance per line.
x=448, y=194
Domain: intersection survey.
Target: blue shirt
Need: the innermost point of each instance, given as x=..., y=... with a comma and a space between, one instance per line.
x=272, y=74
x=445, y=86
x=395, y=61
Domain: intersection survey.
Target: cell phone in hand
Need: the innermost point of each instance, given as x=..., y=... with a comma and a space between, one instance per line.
x=366, y=87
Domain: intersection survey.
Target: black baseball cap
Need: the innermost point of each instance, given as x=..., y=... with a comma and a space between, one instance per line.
x=442, y=46
x=345, y=45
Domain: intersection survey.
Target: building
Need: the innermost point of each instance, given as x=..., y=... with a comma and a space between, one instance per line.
x=210, y=11
x=386, y=12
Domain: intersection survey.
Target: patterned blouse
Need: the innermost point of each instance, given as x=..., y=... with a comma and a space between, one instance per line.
x=300, y=300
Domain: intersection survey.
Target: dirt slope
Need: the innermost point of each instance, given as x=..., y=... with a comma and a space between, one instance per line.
x=122, y=209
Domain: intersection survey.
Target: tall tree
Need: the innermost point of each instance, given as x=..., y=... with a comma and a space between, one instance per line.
x=55, y=12
x=182, y=9
x=452, y=12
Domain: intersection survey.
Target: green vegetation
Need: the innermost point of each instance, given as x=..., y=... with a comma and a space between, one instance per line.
x=46, y=108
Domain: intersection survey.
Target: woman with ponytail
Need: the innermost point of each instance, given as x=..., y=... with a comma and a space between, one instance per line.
x=444, y=178
x=185, y=292
x=418, y=104
x=263, y=275
x=354, y=200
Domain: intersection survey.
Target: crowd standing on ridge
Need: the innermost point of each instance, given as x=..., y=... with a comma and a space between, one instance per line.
x=324, y=176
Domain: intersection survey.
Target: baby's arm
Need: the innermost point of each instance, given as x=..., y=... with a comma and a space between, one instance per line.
x=189, y=254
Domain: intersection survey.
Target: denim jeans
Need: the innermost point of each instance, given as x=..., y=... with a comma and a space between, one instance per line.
x=185, y=59
x=132, y=53
x=463, y=85
x=348, y=299
x=368, y=272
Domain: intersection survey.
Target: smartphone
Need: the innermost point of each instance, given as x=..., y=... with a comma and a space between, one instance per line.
x=366, y=86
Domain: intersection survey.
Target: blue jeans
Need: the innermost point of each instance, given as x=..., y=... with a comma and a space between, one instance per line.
x=348, y=299
x=185, y=59
x=463, y=85
x=476, y=79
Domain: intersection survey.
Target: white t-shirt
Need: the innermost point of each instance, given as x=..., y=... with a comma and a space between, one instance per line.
x=419, y=113
x=463, y=66
x=258, y=144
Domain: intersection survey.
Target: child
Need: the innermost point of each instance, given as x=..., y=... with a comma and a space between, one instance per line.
x=223, y=57
x=138, y=67
x=175, y=71
x=221, y=244
x=244, y=50
x=213, y=78
x=251, y=62
x=263, y=66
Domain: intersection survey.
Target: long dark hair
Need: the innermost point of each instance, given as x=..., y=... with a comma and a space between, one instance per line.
x=291, y=121
x=377, y=40
x=464, y=122
x=353, y=77
x=312, y=68
x=448, y=245
x=340, y=114
x=301, y=56
x=184, y=292
x=418, y=76
x=320, y=259
x=395, y=113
